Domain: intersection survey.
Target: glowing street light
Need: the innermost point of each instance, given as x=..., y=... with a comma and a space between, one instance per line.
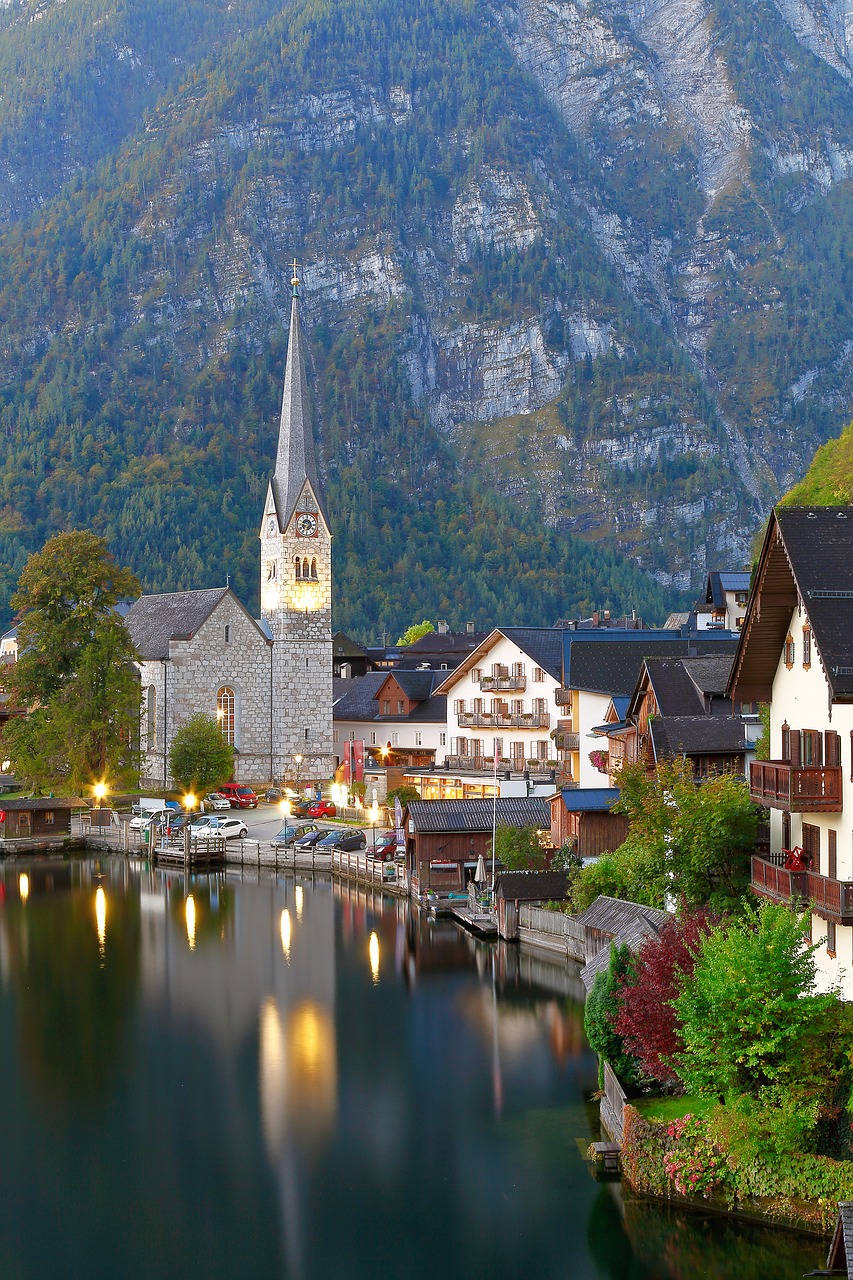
x=188, y=801
x=100, y=790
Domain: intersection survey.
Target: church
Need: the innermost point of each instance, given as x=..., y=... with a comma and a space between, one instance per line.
x=268, y=681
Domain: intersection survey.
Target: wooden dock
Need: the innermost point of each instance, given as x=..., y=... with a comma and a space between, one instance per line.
x=479, y=922
x=191, y=855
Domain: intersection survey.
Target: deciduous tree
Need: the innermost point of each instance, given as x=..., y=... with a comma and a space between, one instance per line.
x=199, y=757
x=75, y=674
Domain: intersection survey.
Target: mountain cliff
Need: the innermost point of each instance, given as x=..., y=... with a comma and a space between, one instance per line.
x=576, y=281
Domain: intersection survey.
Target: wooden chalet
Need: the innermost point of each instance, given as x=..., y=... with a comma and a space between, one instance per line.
x=582, y=817
x=41, y=818
x=445, y=838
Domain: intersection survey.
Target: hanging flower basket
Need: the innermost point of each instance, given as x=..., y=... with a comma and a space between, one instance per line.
x=599, y=760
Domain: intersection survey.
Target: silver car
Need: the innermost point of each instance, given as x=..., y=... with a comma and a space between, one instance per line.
x=216, y=801
x=206, y=827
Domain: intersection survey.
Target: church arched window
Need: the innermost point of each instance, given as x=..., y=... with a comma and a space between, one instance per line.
x=225, y=707
x=150, y=717
x=297, y=563
x=314, y=569
x=306, y=572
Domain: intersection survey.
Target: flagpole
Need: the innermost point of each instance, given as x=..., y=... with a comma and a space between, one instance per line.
x=494, y=818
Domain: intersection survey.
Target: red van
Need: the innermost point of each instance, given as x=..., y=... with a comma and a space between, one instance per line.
x=238, y=795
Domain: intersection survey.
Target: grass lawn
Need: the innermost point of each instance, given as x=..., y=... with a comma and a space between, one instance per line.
x=672, y=1108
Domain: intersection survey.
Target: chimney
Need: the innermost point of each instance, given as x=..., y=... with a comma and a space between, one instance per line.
x=596, y=617
x=469, y=627
x=442, y=628
x=606, y=615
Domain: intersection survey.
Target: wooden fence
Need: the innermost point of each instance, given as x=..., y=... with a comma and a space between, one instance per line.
x=552, y=929
x=612, y=1104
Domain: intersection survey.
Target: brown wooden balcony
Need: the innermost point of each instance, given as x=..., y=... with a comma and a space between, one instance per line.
x=565, y=740
x=796, y=789
x=563, y=697
x=831, y=899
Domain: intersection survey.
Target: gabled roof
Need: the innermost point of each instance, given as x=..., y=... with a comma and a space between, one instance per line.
x=442, y=642
x=343, y=647
x=476, y=815
x=721, y=582
x=710, y=673
x=416, y=685
x=356, y=699
x=613, y=666
x=675, y=693
x=295, y=460
x=155, y=620
x=673, y=736
x=543, y=645
x=807, y=558
x=532, y=886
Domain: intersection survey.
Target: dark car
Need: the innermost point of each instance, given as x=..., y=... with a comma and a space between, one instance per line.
x=272, y=795
x=385, y=847
x=172, y=821
x=308, y=839
x=290, y=833
x=350, y=841
x=299, y=808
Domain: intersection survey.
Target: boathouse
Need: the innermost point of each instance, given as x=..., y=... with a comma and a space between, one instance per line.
x=444, y=838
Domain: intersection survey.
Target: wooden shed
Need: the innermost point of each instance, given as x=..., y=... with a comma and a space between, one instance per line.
x=515, y=887
x=37, y=818
x=444, y=838
x=582, y=817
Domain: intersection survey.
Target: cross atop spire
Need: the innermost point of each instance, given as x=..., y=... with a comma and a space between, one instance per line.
x=295, y=460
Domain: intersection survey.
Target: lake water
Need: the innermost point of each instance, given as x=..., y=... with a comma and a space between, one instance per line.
x=227, y=1078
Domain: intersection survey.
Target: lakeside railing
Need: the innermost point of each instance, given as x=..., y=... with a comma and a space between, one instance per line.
x=612, y=1104
x=560, y=929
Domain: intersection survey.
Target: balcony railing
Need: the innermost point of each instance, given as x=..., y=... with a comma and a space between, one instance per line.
x=486, y=764
x=492, y=720
x=567, y=741
x=563, y=697
x=832, y=899
x=503, y=684
x=796, y=789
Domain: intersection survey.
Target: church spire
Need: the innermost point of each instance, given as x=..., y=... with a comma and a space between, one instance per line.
x=295, y=461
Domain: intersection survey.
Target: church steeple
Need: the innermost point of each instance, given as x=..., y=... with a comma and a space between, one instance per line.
x=295, y=460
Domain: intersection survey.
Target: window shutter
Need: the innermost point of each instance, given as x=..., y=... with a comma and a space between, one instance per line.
x=833, y=856
x=786, y=741
x=794, y=749
x=832, y=747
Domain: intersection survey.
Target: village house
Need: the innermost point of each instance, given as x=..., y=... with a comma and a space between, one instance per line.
x=796, y=653
x=445, y=838
x=394, y=713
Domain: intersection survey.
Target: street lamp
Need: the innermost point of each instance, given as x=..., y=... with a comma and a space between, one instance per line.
x=284, y=806
x=188, y=801
x=100, y=790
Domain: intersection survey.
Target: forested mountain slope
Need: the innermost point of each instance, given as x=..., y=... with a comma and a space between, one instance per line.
x=569, y=269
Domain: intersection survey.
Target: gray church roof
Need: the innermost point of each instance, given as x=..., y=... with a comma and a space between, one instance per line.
x=155, y=620
x=295, y=460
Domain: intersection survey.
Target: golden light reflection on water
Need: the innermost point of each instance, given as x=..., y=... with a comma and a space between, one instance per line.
x=297, y=894
x=373, y=956
x=298, y=1074
x=101, y=918
x=285, y=930
x=24, y=886
x=189, y=911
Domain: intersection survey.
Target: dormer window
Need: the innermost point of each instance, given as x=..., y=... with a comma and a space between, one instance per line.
x=790, y=651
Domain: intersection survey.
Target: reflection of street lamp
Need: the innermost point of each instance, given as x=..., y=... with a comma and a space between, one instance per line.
x=100, y=790
x=284, y=806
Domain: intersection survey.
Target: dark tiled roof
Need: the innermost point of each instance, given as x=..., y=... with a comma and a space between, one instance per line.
x=675, y=693
x=696, y=736
x=155, y=620
x=443, y=642
x=532, y=886
x=720, y=583
x=612, y=666
x=417, y=685
x=632, y=935
x=711, y=673
x=476, y=815
x=295, y=457
x=355, y=699
x=819, y=543
x=737, y=581
x=589, y=799
x=840, y=1257
x=38, y=805
x=543, y=645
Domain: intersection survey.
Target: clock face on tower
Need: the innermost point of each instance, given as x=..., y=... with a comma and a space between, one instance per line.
x=306, y=525
x=272, y=526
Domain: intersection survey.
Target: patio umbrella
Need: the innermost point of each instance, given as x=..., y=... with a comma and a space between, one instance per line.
x=480, y=873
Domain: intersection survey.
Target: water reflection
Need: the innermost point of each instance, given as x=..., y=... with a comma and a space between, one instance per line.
x=314, y=1080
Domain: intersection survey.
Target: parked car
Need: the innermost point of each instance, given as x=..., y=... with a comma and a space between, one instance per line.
x=346, y=839
x=291, y=832
x=299, y=808
x=212, y=825
x=322, y=809
x=239, y=796
x=273, y=795
x=384, y=848
x=172, y=821
x=309, y=838
x=216, y=801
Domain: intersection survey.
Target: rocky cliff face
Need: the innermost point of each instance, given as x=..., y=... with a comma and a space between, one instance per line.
x=613, y=278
